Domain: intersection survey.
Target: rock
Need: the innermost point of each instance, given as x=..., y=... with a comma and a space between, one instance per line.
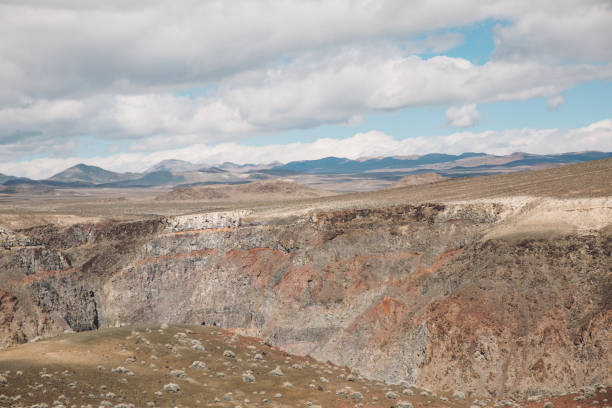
x=248, y=377
x=178, y=374
x=459, y=395
x=277, y=371
x=548, y=404
x=229, y=354
x=404, y=404
x=122, y=370
x=407, y=391
x=172, y=388
x=198, y=365
x=391, y=395
x=356, y=395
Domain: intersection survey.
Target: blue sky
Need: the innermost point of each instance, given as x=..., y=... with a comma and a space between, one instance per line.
x=299, y=80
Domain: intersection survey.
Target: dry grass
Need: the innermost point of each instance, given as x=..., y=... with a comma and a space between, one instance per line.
x=131, y=365
x=84, y=368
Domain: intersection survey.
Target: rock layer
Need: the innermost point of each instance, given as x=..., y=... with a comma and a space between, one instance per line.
x=409, y=293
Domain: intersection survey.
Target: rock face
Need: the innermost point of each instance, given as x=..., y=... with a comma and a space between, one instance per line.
x=409, y=293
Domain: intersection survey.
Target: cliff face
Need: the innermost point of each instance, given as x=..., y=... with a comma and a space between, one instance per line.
x=411, y=293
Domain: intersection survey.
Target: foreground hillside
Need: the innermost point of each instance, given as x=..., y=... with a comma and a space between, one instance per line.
x=183, y=366
x=187, y=366
x=491, y=286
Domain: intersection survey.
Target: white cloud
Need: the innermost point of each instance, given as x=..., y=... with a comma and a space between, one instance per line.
x=463, y=116
x=307, y=92
x=573, y=31
x=80, y=48
x=113, y=69
x=597, y=136
x=555, y=102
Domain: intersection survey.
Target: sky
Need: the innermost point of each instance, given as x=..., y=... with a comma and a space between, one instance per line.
x=124, y=84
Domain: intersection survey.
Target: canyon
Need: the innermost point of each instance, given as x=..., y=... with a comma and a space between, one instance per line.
x=497, y=286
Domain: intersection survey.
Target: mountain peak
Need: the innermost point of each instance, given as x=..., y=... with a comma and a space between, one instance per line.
x=89, y=174
x=173, y=165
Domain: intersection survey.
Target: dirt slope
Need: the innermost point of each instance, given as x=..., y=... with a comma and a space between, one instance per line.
x=187, y=366
x=264, y=190
x=137, y=365
x=417, y=180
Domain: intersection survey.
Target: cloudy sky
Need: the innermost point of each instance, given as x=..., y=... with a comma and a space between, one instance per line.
x=126, y=83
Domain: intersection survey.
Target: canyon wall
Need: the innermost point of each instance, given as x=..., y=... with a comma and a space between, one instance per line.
x=444, y=296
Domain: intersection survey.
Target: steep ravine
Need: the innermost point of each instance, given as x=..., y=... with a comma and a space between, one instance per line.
x=405, y=293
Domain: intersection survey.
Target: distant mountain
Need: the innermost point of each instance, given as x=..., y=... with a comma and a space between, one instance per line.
x=381, y=171
x=154, y=179
x=249, y=167
x=23, y=181
x=90, y=174
x=4, y=178
x=565, y=158
x=332, y=165
x=466, y=164
x=172, y=165
x=212, y=170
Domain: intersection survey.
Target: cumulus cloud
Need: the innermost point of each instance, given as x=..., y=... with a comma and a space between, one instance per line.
x=463, y=116
x=80, y=48
x=115, y=69
x=555, y=102
x=304, y=93
x=597, y=136
x=575, y=31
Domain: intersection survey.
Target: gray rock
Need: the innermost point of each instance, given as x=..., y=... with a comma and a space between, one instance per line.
x=458, y=395
x=277, y=371
x=172, y=388
x=178, y=374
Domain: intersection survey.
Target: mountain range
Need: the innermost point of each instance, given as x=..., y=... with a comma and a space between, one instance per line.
x=334, y=170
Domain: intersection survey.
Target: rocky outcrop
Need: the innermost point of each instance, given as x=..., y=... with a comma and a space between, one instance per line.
x=203, y=221
x=409, y=293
